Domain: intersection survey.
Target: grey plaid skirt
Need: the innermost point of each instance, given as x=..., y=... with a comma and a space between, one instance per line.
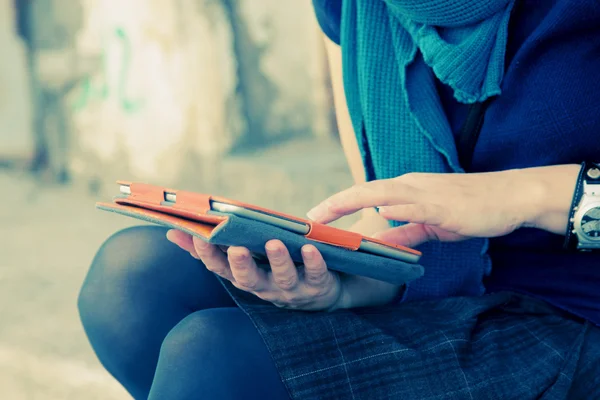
x=499, y=346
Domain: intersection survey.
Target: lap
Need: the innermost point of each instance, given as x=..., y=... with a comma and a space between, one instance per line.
x=503, y=345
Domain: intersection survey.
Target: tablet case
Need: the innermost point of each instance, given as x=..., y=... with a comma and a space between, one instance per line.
x=192, y=214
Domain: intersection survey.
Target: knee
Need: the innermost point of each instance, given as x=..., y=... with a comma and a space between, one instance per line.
x=217, y=352
x=124, y=260
x=212, y=337
x=203, y=335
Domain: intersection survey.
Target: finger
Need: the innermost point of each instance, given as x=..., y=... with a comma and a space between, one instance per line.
x=183, y=240
x=247, y=275
x=213, y=258
x=366, y=195
x=315, y=269
x=409, y=235
x=284, y=273
x=422, y=213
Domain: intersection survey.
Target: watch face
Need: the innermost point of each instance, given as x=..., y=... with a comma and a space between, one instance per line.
x=590, y=223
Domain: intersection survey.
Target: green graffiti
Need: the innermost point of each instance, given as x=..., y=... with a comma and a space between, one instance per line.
x=89, y=92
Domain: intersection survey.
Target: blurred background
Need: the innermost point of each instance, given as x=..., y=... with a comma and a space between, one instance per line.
x=230, y=97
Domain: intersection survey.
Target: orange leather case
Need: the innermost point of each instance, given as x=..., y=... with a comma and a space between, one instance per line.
x=191, y=213
x=195, y=206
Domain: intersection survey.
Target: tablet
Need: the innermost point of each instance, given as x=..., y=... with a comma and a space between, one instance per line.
x=293, y=225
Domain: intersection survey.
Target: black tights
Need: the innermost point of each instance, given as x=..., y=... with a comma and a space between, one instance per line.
x=165, y=328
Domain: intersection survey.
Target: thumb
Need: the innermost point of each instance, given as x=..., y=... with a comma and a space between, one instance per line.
x=409, y=235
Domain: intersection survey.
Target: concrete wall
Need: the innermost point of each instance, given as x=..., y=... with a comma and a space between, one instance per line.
x=164, y=87
x=282, y=63
x=147, y=89
x=16, y=137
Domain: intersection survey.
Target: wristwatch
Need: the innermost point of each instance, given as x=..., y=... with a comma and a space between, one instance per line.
x=584, y=224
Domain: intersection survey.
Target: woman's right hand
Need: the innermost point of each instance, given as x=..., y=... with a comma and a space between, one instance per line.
x=308, y=287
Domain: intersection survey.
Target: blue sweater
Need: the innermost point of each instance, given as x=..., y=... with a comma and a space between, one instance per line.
x=548, y=113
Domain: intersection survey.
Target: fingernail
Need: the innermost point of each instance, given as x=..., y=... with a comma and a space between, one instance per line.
x=382, y=209
x=272, y=247
x=170, y=234
x=237, y=254
x=317, y=213
x=308, y=252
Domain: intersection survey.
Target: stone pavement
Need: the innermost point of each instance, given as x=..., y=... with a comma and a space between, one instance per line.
x=48, y=236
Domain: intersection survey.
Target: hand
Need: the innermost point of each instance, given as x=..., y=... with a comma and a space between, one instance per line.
x=452, y=207
x=309, y=287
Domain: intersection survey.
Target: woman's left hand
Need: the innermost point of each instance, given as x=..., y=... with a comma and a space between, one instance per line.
x=308, y=287
x=452, y=207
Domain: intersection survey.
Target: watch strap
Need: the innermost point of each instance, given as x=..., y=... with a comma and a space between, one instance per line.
x=587, y=174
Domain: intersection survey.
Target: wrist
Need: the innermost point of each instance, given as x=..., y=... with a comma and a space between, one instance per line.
x=549, y=194
x=343, y=301
x=357, y=291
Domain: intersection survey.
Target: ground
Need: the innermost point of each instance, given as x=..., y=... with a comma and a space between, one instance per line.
x=49, y=234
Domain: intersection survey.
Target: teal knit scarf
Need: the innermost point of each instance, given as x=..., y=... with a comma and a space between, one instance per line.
x=391, y=50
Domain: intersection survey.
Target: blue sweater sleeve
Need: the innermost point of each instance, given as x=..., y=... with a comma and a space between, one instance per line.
x=329, y=16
